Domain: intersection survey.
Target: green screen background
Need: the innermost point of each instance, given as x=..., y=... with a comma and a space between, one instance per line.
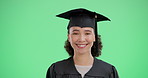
x=32, y=38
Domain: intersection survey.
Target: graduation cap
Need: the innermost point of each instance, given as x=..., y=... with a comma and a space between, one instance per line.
x=84, y=18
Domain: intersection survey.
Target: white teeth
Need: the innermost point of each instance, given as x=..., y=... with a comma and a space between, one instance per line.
x=81, y=45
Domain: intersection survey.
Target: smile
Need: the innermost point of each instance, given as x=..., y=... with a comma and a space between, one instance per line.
x=81, y=45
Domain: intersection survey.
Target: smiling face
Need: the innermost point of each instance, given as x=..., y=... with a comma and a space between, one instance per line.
x=81, y=39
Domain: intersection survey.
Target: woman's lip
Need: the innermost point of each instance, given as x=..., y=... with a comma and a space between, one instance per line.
x=81, y=45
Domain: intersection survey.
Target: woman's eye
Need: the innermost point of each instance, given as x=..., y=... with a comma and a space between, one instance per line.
x=87, y=33
x=75, y=33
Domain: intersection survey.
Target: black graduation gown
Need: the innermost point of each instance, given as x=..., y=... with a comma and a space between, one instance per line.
x=66, y=69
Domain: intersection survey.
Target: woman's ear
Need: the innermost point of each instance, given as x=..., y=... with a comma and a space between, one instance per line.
x=68, y=37
x=95, y=39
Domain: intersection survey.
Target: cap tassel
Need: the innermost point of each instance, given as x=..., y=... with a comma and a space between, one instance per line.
x=96, y=34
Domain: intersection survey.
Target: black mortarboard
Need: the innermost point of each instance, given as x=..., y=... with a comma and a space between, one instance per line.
x=83, y=18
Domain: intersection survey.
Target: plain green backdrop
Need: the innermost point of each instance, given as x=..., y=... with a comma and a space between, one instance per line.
x=32, y=38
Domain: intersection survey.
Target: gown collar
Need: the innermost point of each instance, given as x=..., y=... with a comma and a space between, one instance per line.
x=71, y=69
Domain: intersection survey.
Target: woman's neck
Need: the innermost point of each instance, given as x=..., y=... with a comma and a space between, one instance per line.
x=84, y=60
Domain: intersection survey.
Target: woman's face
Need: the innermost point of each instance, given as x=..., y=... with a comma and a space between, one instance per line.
x=81, y=39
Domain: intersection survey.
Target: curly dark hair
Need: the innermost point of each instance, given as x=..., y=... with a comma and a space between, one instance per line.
x=70, y=50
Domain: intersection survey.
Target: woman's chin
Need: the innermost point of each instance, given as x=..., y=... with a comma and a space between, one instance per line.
x=81, y=52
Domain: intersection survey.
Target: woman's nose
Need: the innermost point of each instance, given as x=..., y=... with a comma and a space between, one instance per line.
x=82, y=38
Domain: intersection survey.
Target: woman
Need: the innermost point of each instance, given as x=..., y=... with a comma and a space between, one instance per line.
x=83, y=45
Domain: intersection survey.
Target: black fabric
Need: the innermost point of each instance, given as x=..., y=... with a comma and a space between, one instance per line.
x=66, y=69
x=82, y=20
x=82, y=17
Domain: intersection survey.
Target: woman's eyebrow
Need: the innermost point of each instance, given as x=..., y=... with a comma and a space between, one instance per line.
x=88, y=31
x=75, y=30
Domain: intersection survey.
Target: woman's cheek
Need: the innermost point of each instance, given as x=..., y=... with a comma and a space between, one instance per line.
x=91, y=39
x=75, y=37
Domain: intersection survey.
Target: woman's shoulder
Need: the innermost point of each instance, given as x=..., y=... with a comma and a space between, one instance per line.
x=107, y=67
x=103, y=66
x=62, y=63
x=103, y=63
